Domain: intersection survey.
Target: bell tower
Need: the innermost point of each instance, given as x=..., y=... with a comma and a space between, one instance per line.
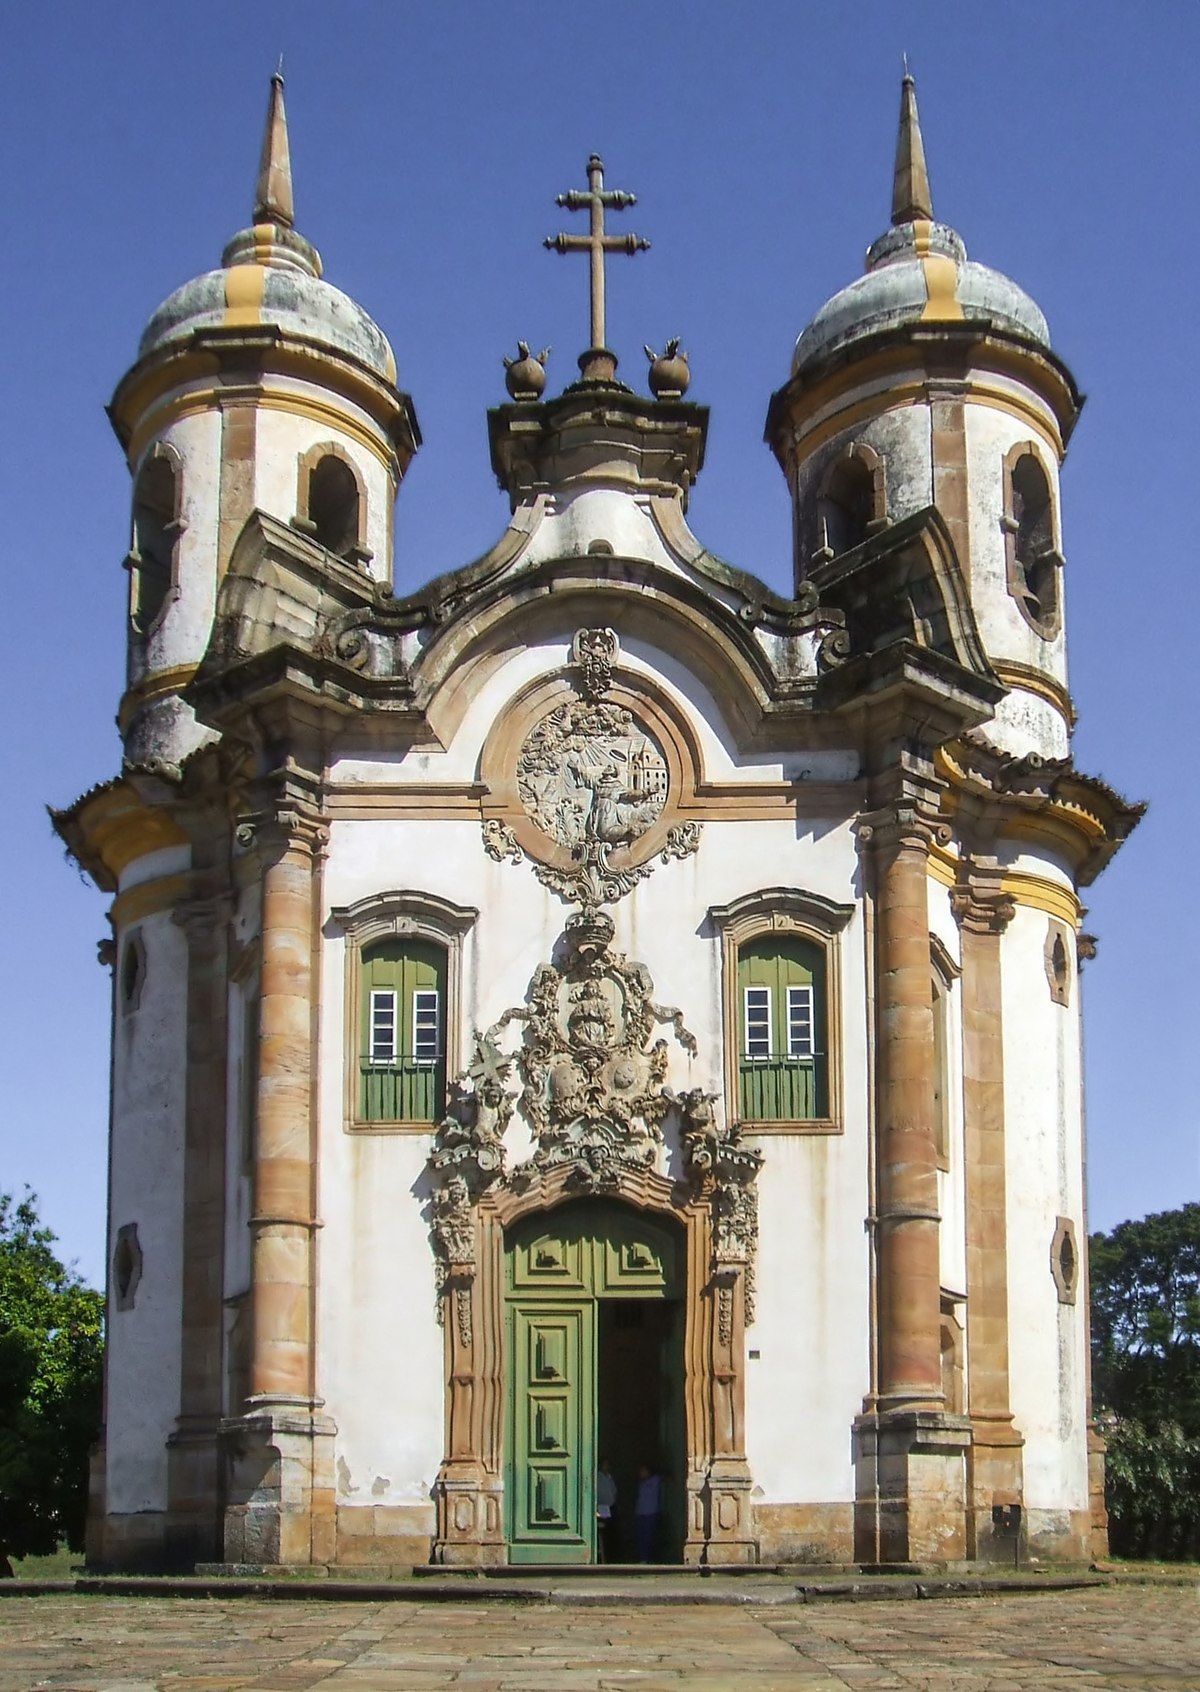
x=931, y=381
x=258, y=387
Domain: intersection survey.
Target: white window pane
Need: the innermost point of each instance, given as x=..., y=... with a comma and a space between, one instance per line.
x=758, y=1022
x=383, y=1026
x=425, y=1025
x=800, y=1022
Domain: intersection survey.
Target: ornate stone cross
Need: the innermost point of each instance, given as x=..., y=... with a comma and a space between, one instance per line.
x=595, y=198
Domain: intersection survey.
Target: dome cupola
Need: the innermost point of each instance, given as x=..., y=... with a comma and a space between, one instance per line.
x=258, y=387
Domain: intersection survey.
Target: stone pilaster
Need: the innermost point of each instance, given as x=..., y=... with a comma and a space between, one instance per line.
x=280, y=1499
x=193, y=1528
x=909, y=1451
x=994, y=1464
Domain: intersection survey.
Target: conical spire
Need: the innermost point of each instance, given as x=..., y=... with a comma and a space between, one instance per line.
x=911, y=196
x=273, y=194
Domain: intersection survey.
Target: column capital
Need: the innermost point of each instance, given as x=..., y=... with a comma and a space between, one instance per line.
x=978, y=900
x=903, y=824
x=282, y=829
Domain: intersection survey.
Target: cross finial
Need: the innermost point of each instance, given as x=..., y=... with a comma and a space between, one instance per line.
x=598, y=362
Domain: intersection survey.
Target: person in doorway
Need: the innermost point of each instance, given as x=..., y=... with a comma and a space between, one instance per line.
x=606, y=1509
x=646, y=1511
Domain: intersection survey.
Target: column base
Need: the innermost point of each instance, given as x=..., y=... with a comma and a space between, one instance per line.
x=194, y=1528
x=995, y=1484
x=910, y=1487
x=1097, y=1506
x=280, y=1502
x=470, y=1516
x=720, y=1515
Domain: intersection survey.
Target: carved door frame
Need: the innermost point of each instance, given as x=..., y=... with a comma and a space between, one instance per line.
x=470, y=1484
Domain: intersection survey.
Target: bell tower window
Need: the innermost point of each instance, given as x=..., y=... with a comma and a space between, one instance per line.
x=156, y=531
x=1032, y=556
x=851, y=501
x=332, y=504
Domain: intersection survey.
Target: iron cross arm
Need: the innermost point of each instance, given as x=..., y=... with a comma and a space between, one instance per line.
x=595, y=199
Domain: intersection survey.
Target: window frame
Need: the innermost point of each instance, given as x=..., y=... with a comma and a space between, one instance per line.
x=1049, y=625
x=784, y=913
x=357, y=552
x=399, y=915
x=173, y=528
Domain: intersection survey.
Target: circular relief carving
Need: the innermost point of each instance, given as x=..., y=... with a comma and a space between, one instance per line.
x=591, y=772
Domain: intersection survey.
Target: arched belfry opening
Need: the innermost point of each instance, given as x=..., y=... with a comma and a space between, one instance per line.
x=595, y=1317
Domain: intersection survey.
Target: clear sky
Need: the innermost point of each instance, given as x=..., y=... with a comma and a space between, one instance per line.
x=428, y=143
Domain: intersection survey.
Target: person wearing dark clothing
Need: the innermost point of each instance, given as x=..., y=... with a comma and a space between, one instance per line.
x=646, y=1512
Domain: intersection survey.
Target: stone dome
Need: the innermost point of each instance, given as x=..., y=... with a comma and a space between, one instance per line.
x=300, y=304
x=918, y=271
x=271, y=275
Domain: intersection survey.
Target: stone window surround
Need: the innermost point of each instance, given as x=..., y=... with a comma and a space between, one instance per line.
x=857, y=452
x=1046, y=628
x=360, y=553
x=396, y=914
x=1066, y=1284
x=793, y=913
x=1060, y=986
x=127, y=1254
x=132, y=977
x=160, y=451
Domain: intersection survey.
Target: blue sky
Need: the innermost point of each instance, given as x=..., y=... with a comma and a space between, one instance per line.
x=428, y=142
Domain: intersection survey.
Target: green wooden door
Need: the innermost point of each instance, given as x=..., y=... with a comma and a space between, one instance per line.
x=559, y=1267
x=552, y=1507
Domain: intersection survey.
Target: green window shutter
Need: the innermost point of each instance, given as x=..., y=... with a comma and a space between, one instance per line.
x=402, y=1044
x=783, y=1059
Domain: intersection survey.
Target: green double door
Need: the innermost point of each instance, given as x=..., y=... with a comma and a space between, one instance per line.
x=595, y=1353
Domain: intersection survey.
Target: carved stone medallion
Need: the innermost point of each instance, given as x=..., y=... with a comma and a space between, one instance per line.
x=590, y=772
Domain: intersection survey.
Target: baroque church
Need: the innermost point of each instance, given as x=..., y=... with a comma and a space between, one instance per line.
x=593, y=1008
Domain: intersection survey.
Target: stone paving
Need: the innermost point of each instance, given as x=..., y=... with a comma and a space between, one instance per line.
x=1143, y=1637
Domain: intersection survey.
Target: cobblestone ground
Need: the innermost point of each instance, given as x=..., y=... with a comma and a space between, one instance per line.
x=1133, y=1637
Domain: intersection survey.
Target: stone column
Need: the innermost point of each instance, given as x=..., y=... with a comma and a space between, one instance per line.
x=281, y=1506
x=194, y=1530
x=994, y=1467
x=910, y=1479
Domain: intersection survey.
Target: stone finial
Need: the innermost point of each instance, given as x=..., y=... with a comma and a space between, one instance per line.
x=669, y=371
x=273, y=201
x=525, y=375
x=912, y=199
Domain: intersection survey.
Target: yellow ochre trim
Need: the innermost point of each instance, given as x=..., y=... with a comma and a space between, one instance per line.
x=941, y=279
x=1042, y=895
x=244, y=284
x=148, y=898
x=942, y=866
x=269, y=399
x=119, y=829
x=907, y=394
x=1029, y=680
x=158, y=686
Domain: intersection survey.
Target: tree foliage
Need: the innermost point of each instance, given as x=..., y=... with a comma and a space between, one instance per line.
x=51, y=1360
x=1145, y=1307
x=1145, y=1279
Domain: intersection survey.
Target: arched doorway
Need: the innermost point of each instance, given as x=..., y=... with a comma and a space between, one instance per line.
x=594, y=1343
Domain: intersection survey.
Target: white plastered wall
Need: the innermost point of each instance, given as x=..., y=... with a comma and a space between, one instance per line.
x=146, y=1179
x=1043, y=1153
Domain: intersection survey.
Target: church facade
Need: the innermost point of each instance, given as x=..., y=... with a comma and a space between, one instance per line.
x=594, y=1007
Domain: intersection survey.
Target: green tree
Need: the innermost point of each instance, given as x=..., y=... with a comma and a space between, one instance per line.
x=1145, y=1285
x=1145, y=1302
x=51, y=1360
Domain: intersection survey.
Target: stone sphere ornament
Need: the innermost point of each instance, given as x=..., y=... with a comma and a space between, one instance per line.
x=669, y=372
x=525, y=376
